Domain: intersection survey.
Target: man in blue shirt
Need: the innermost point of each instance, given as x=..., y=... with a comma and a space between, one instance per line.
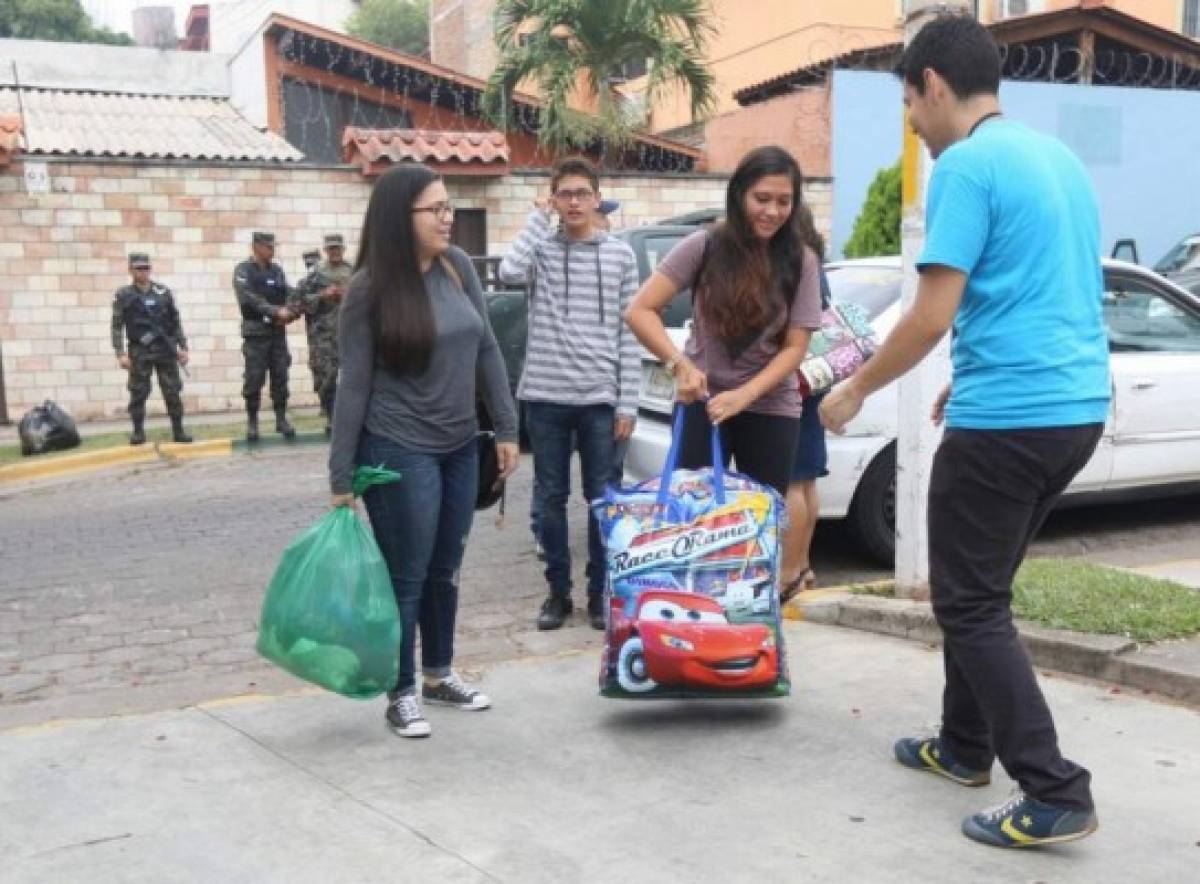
x=1012, y=264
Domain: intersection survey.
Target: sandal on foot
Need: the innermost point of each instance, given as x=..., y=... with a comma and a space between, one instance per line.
x=802, y=582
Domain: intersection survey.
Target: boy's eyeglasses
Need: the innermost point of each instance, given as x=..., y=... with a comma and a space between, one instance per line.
x=570, y=196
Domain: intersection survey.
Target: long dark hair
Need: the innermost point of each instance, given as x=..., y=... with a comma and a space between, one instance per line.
x=744, y=287
x=400, y=308
x=807, y=225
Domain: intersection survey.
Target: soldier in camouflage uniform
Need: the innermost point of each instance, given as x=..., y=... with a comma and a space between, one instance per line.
x=262, y=295
x=318, y=299
x=144, y=313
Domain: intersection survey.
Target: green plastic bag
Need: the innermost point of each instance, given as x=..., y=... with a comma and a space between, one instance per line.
x=330, y=615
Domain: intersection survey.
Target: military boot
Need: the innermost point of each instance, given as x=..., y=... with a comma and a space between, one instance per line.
x=177, y=431
x=282, y=427
x=251, y=423
x=138, y=436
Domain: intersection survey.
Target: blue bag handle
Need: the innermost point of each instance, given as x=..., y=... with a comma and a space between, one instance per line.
x=664, y=484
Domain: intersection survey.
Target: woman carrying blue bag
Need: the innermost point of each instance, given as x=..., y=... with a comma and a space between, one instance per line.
x=757, y=298
x=413, y=344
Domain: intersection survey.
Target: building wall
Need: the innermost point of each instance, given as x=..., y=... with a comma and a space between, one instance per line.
x=64, y=254
x=1138, y=145
x=461, y=36
x=48, y=65
x=780, y=36
x=799, y=122
x=234, y=22
x=1164, y=13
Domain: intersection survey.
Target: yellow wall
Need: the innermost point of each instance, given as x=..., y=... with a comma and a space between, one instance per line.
x=760, y=39
x=1164, y=13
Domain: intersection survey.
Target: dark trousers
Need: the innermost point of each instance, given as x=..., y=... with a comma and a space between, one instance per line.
x=620, y=449
x=144, y=363
x=552, y=427
x=762, y=445
x=265, y=354
x=421, y=524
x=990, y=491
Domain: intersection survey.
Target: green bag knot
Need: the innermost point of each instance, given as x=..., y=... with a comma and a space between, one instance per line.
x=365, y=477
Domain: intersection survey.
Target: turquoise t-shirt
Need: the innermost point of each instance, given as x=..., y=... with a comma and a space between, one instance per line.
x=1015, y=211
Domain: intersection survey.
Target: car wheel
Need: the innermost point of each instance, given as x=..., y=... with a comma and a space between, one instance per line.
x=631, y=668
x=873, y=512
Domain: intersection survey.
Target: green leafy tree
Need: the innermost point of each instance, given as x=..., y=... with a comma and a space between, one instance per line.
x=398, y=24
x=564, y=46
x=877, y=228
x=60, y=20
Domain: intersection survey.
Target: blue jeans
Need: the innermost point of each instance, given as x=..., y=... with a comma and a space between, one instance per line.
x=421, y=524
x=551, y=430
x=620, y=449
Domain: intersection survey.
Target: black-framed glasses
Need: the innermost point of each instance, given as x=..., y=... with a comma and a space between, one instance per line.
x=570, y=196
x=441, y=210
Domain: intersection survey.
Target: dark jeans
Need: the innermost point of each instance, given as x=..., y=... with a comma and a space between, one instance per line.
x=551, y=428
x=620, y=449
x=421, y=524
x=990, y=491
x=763, y=445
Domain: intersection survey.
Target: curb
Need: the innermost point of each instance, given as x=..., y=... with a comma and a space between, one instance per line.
x=71, y=463
x=1111, y=658
x=168, y=452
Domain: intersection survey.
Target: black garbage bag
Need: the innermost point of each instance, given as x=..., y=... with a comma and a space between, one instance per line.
x=47, y=427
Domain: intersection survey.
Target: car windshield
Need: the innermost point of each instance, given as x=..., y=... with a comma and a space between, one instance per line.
x=1185, y=256
x=874, y=288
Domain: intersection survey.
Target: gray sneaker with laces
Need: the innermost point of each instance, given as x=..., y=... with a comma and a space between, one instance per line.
x=404, y=716
x=453, y=691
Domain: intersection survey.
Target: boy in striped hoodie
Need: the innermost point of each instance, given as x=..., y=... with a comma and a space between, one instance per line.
x=582, y=366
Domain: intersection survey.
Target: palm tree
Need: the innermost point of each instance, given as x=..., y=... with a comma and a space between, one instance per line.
x=565, y=45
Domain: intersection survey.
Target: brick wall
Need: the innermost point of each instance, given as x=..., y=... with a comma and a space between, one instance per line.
x=64, y=254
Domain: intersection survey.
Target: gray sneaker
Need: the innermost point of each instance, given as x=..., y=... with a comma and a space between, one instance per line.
x=404, y=716
x=453, y=691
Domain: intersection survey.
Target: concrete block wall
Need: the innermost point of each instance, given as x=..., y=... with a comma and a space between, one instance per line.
x=64, y=254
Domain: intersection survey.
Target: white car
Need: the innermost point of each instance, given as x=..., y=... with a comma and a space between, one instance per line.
x=1151, y=443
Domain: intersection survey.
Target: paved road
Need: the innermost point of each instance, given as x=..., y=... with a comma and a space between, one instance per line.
x=141, y=589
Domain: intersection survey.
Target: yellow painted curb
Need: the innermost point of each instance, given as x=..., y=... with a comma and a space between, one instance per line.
x=794, y=610
x=69, y=463
x=193, y=450
x=106, y=457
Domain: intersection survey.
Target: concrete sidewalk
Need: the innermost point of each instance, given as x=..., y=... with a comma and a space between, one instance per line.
x=1170, y=668
x=556, y=784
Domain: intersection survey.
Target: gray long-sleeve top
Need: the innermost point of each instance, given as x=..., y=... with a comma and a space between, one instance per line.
x=431, y=412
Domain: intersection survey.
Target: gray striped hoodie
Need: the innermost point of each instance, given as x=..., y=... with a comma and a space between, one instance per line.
x=579, y=350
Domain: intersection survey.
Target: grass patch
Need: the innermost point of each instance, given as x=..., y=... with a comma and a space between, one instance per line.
x=232, y=430
x=885, y=590
x=1079, y=596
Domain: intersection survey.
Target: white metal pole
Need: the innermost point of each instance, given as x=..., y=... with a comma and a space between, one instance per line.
x=917, y=437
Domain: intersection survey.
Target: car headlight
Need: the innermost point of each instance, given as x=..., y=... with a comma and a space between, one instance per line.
x=678, y=644
x=768, y=642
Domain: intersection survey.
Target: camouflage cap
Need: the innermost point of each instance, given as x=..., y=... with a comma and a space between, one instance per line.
x=311, y=256
x=139, y=259
x=262, y=237
x=334, y=240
